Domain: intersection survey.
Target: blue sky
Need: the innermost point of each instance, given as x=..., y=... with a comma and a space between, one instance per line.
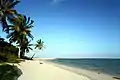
x=75, y=28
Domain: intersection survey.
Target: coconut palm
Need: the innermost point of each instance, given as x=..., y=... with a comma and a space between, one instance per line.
x=26, y=47
x=20, y=31
x=39, y=45
x=7, y=10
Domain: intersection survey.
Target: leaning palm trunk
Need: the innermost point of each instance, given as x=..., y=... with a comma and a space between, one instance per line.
x=33, y=56
x=39, y=45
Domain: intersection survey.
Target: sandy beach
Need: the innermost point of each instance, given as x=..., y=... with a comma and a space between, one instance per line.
x=93, y=75
x=33, y=70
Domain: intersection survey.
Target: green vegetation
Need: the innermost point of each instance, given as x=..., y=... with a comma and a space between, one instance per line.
x=8, y=52
x=18, y=29
x=7, y=48
x=39, y=45
x=7, y=10
x=8, y=58
x=20, y=32
x=17, y=26
x=9, y=72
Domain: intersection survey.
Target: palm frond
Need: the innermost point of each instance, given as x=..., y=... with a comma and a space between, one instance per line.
x=13, y=4
x=10, y=12
x=40, y=44
x=31, y=22
x=28, y=20
x=28, y=27
x=30, y=48
x=9, y=35
x=12, y=20
x=4, y=24
x=25, y=19
x=30, y=45
x=36, y=46
x=6, y=2
x=30, y=35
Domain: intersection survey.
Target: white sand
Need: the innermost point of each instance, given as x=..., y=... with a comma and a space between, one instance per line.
x=33, y=70
x=93, y=75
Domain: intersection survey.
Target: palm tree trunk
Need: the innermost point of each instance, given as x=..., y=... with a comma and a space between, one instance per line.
x=33, y=56
x=18, y=52
x=22, y=52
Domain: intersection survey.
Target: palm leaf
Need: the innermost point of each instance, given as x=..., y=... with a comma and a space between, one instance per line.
x=30, y=45
x=4, y=24
x=27, y=21
x=10, y=12
x=31, y=22
x=12, y=20
x=40, y=45
x=30, y=48
x=9, y=35
x=30, y=35
x=36, y=46
x=28, y=27
x=12, y=5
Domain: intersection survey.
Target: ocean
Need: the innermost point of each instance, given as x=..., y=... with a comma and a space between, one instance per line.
x=108, y=66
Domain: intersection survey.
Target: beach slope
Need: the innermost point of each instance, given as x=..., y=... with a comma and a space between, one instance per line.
x=33, y=70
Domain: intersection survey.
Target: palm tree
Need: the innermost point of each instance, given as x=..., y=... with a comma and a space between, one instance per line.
x=7, y=10
x=26, y=47
x=39, y=45
x=20, y=31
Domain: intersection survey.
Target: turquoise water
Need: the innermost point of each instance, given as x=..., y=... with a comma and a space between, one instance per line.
x=109, y=66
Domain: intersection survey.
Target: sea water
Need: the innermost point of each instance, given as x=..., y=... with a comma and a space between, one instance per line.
x=109, y=66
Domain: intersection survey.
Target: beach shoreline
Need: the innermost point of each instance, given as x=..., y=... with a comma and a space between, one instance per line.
x=93, y=75
x=46, y=70
x=33, y=70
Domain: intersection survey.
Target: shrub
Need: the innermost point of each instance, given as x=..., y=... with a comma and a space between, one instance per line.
x=10, y=58
x=9, y=72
